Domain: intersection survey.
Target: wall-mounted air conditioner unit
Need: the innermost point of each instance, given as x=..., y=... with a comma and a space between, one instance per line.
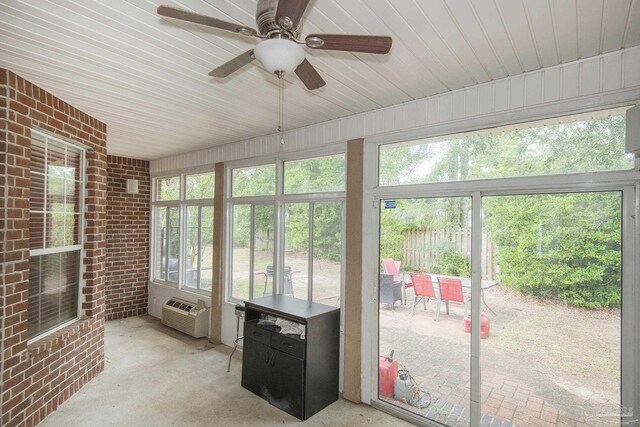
x=187, y=317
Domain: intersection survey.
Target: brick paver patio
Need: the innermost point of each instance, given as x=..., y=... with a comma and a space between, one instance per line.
x=437, y=357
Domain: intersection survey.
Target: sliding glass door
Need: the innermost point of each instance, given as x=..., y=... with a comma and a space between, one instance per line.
x=506, y=279
x=541, y=273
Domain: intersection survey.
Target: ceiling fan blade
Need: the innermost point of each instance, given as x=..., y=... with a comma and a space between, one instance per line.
x=309, y=76
x=350, y=43
x=293, y=9
x=209, y=21
x=235, y=64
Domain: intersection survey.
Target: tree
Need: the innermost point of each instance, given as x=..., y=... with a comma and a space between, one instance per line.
x=327, y=231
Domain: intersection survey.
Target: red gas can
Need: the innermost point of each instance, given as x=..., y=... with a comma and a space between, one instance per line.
x=485, y=326
x=387, y=373
x=467, y=324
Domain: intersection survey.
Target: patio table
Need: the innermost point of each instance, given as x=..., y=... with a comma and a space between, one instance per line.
x=466, y=283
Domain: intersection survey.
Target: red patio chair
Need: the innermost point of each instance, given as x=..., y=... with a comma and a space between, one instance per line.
x=423, y=288
x=391, y=266
x=450, y=290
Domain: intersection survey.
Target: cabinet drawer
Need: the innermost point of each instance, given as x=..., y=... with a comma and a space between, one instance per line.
x=292, y=346
x=251, y=330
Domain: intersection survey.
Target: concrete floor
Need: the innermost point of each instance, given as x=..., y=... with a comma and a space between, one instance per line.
x=155, y=376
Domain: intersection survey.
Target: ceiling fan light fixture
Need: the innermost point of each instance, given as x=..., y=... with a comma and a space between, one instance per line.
x=279, y=55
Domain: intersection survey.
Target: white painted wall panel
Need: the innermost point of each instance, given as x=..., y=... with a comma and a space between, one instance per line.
x=501, y=95
x=611, y=72
x=570, y=81
x=444, y=107
x=485, y=104
x=432, y=110
x=410, y=112
x=458, y=110
x=471, y=102
x=421, y=108
x=516, y=93
x=590, y=76
x=631, y=61
x=534, y=87
x=393, y=119
x=552, y=84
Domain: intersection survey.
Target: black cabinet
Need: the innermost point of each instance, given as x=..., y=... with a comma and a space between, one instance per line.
x=297, y=375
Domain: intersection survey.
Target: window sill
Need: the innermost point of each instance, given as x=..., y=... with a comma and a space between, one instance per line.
x=164, y=283
x=186, y=289
x=48, y=344
x=197, y=291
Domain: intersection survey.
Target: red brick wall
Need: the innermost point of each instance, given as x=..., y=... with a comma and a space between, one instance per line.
x=38, y=377
x=127, y=272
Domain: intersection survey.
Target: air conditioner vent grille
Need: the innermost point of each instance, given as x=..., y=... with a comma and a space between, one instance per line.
x=187, y=317
x=179, y=305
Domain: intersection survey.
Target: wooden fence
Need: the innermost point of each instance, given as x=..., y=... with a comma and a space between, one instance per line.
x=420, y=248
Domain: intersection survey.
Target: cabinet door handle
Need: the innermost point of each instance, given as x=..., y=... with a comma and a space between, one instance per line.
x=268, y=357
x=273, y=359
x=286, y=344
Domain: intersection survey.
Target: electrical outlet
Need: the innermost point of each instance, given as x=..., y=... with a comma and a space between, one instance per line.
x=154, y=301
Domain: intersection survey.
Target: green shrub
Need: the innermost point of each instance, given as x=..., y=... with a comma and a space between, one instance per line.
x=563, y=247
x=449, y=262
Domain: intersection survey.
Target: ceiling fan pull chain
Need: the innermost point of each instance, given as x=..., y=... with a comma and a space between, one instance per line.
x=279, y=101
x=281, y=108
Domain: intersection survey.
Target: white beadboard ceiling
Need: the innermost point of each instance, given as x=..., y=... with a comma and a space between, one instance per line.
x=146, y=76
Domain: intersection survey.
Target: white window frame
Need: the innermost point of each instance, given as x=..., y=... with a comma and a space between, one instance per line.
x=280, y=199
x=199, y=203
x=182, y=203
x=628, y=182
x=81, y=226
x=229, y=252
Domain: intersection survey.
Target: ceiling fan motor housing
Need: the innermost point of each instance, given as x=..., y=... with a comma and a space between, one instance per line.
x=266, y=19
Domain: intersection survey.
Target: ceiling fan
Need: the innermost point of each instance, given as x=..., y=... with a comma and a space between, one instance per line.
x=279, y=50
